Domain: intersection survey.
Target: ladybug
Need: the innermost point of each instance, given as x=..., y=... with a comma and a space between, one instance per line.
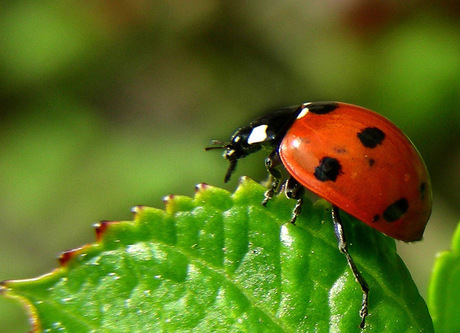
x=354, y=158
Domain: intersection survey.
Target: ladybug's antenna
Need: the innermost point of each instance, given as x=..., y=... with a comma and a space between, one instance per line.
x=216, y=144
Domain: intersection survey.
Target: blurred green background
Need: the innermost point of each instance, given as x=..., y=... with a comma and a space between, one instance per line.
x=108, y=104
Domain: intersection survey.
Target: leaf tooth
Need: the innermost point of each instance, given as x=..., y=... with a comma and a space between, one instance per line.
x=102, y=227
x=244, y=179
x=213, y=196
x=168, y=201
x=137, y=209
x=67, y=256
x=168, y=198
x=201, y=187
x=177, y=203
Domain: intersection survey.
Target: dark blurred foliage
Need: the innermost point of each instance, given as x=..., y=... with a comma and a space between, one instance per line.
x=105, y=105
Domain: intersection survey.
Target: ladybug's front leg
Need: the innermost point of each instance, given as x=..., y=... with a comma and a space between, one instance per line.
x=271, y=163
x=294, y=190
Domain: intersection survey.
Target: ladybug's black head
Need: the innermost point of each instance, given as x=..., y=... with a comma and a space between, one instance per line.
x=238, y=147
x=266, y=131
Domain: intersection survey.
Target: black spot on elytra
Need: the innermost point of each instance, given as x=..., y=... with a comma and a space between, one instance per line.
x=422, y=189
x=371, y=161
x=321, y=107
x=397, y=209
x=376, y=218
x=328, y=169
x=370, y=137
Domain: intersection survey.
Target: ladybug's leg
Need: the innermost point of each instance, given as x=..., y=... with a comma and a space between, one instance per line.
x=294, y=190
x=340, y=234
x=271, y=163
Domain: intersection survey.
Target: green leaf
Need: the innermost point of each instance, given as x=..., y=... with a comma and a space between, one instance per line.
x=223, y=262
x=444, y=289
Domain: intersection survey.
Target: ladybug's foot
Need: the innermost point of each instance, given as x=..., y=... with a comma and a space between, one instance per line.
x=271, y=162
x=294, y=190
x=268, y=195
x=363, y=312
x=297, y=210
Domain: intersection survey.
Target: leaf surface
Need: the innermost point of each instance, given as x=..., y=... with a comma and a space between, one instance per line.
x=223, y=262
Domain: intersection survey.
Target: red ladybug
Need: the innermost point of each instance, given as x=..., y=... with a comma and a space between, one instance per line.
x=353, y=157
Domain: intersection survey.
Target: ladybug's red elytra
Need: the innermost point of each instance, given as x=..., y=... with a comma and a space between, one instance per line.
x=353, y=157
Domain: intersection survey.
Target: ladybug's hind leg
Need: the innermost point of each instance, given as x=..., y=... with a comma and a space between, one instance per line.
x=272, y=162
x=340, y=234
x=294, y=190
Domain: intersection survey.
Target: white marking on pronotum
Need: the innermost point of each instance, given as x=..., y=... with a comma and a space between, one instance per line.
x=258, y=134
x=304, y=111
